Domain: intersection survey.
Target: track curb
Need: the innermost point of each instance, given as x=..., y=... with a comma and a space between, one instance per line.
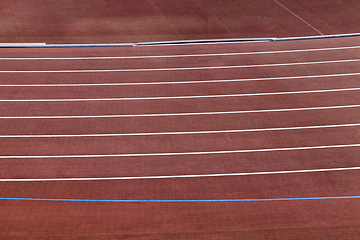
x=180, y=42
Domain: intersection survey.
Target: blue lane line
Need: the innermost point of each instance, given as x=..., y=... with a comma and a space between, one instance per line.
x=182, y=201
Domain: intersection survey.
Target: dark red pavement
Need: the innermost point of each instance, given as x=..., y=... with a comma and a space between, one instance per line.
x=300, y=219
x=94, y=21
x=329, y=17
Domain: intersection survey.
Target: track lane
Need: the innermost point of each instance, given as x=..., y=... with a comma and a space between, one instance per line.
x=212, y=219
x=344, y=48
x=187, y=68
x=242, y=187
x=182, y=62
x=177, y=105
x=173, y=90
x=213, y=81
x=179, y=165
x=171, y=124
x=166, y=76
x=151, y=63
x=178, y=143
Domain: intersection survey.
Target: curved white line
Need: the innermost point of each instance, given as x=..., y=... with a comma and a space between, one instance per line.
x=182, y=82
x=180, y=176
x=180, y=97
x=181, y=114
x=180, y=55
x=179, y=68
x=178, y=133
x=179, y=153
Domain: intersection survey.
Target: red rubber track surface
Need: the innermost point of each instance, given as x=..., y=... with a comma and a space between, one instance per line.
x=114, y=21
x=293, y=219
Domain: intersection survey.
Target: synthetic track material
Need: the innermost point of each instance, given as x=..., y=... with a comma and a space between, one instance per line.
x=277, y=148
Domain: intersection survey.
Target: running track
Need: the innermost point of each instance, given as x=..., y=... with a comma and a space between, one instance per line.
x=212, y=141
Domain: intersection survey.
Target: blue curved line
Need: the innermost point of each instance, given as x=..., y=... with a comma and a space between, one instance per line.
x=180, y=200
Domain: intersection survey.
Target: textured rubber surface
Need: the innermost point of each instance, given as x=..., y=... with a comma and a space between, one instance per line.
x=323, y=214
x=114, y=21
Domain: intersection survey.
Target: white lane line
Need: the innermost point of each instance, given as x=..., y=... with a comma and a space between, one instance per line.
x=180, y=97
x=180, y=176
x=178, y=82
x=179, y=68
x=299, y=18
x=180, y=153
x=182, y=55
x=178, y=133
x=181, y=114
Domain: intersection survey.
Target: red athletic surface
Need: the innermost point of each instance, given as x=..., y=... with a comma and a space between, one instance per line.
x=305, y=219
x=114, y=21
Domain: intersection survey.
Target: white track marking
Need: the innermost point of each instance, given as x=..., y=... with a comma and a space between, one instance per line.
x=181, y=114
x=178, y=133
x=182, y=82
x=178, y=68
x=299, y=17
x=180, y=55
x=179, y=153
x=180, y=97
x=181, y=176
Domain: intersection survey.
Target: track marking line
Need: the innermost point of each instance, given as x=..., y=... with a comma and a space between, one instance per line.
x=180, y=97
x=180, y=176
x=182, y=114
x=178, y=133
x=182, y=82
x=299, y=18
x=181, y=55
x=180, y=153
x=181, y=200
x=179, y=68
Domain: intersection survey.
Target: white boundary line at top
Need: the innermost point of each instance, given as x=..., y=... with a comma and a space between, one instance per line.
x=178, y=133
x=181, y=114
x=179, y=82
x=180, y=55
x=180, y=97
x=179, y=68
x=180, y=153
x=181, y=176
